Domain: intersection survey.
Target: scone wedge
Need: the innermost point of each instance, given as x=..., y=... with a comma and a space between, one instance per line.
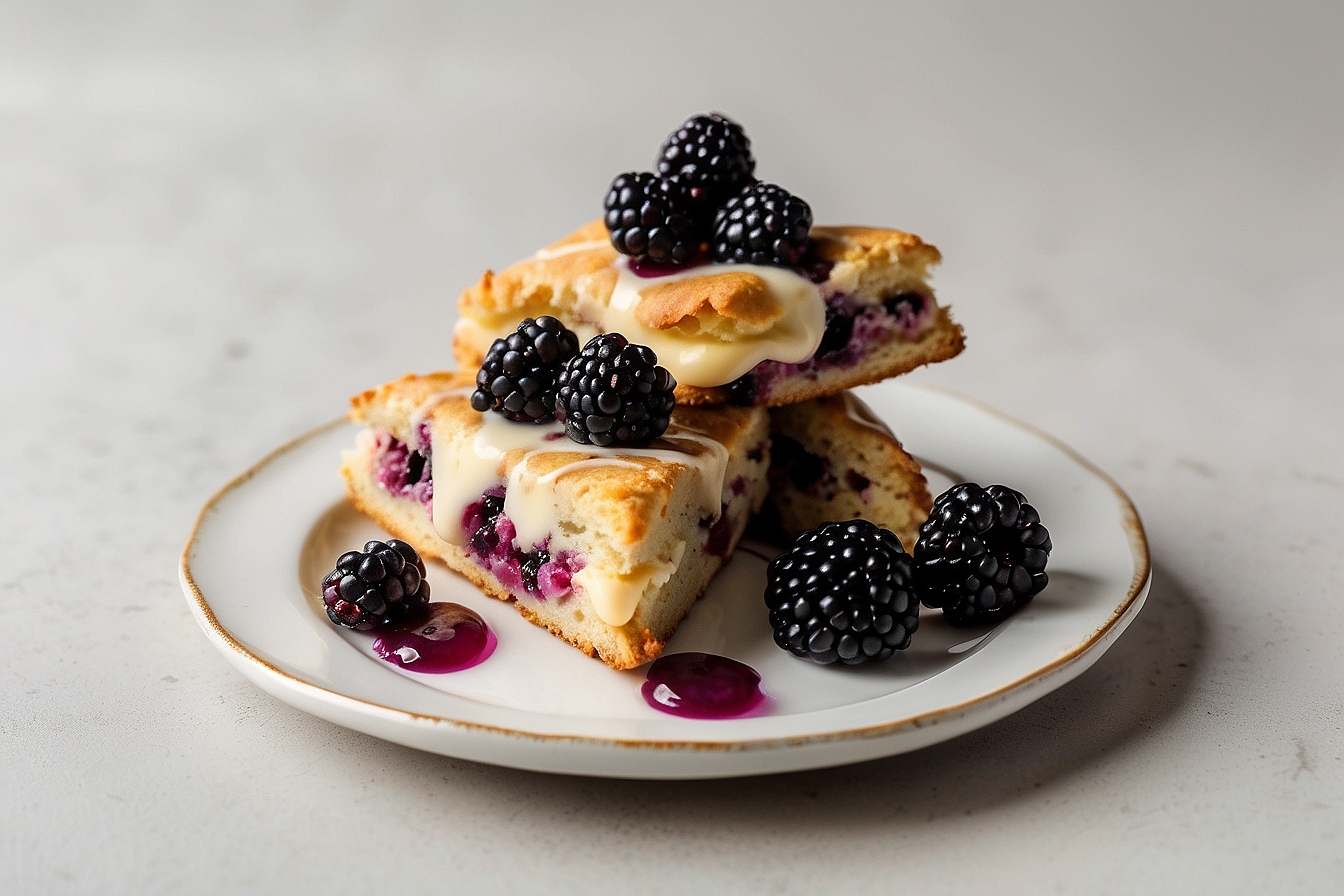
x=606, y=548
x=860, y=310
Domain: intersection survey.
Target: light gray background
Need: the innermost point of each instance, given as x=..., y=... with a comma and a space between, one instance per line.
x=216, y=223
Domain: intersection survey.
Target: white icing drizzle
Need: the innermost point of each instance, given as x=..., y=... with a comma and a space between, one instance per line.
x=588, y=464
x=531, y=503
x=705, y=361
x=462, y=475
x=712, y=468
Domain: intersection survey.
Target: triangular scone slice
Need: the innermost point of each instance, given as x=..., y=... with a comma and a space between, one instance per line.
x=860, y=311
x=607, y=548
x=833, y=459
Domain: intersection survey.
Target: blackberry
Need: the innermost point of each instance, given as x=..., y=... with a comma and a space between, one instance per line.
x=711, y=155
x=491, y=507
x=653, y=219
x=614, y=393
x=379, y=585
x=518, y=376
x=763, y=224
x=981, y=554
x=842, y=593
x=531, y=566
x=484, y=538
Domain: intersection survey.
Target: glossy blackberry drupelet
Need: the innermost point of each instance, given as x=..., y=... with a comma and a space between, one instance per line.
x=981, y=554
x=763, y=224
x=653, y=219
x=379, y=585
x=711, y=155
x=533, y=561
x=842, y=593
x=519, y=373
x=614, y=393
x=484, y=538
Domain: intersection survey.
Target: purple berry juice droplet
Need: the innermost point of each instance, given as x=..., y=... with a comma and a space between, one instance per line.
x=444, y=637
x=702, y=686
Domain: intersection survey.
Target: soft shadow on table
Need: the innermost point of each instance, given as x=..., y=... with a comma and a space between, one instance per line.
x=1130, y=691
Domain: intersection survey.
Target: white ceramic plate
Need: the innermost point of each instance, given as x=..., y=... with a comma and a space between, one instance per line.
x=253, y=563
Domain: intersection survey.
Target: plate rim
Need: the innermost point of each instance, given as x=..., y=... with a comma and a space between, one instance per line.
x=245, y=659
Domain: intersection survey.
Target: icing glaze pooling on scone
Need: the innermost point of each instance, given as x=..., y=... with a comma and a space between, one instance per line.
x=534, y=508
x=704, y=346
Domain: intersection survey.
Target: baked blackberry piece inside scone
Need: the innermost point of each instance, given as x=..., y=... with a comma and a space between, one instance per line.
x=833, y=459
x=857, y=310
x=606, y=547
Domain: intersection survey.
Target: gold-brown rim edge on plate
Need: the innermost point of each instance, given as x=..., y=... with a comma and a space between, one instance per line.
x=1130, y=521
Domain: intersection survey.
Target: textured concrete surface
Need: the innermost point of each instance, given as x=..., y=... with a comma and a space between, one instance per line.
x=217, y=223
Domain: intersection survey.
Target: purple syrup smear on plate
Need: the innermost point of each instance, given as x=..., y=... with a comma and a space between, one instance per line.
x=444, y=637
x=702, y=686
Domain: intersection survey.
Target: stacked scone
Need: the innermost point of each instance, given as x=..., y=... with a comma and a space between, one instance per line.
x=600, y=489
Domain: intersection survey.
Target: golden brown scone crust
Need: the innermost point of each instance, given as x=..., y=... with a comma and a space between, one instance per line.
x=739, y=295
x=862, y=245
x=581, y=261
x=394, y=402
